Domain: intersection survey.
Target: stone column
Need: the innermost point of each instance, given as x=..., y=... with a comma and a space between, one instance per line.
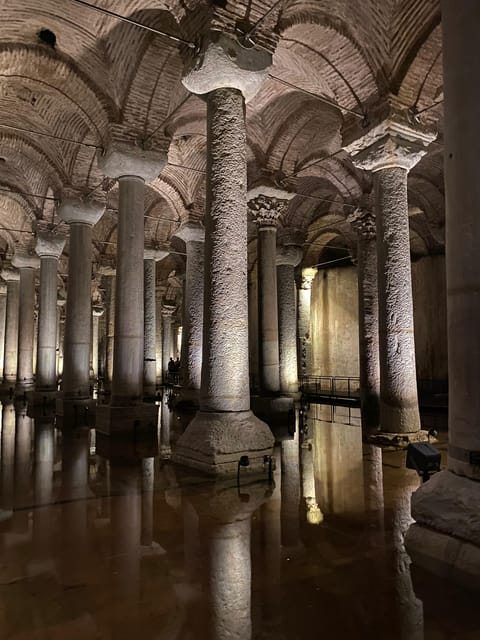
x=60, y=336
x=3, y=314
x=266, y=211
x=288, y=257
x=80, y=216
x=363, y=223
x=97, y=312
x=49, y=248
x=167, y=340
x=446, y=537
x=12, y=278
x=132, y=168
x=193, y=234
x=304, y=291
x=151, y=256
x=225, y=429
x=109, y=279
x=159, y=336
x=26, y=264
x=390, y=149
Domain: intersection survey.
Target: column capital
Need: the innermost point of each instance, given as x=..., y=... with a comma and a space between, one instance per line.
x=191, y=232
x=266, y=209
x=49, y=245
x=362, y=219
x=224, y=63
x=76, y=210
x=395, y=142
x=155, y=254
x=106, y=270
x=9, y=274
x=122, y=159
x=306, y=277
x=25, y=261
x=290, y=255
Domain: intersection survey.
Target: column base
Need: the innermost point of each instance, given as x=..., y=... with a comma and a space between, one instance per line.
x=75, y=413
x=403, y=420
x=445, y=539
x=214, y=443
x=386, y=439
x=39, y=397
x=134, y=421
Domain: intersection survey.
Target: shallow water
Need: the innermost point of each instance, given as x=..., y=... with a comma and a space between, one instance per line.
x=134, y=547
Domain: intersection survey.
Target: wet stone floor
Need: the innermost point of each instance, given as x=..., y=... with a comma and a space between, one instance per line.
x=130, y=546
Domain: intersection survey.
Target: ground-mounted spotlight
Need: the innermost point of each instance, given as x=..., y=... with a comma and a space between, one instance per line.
x=424, y=458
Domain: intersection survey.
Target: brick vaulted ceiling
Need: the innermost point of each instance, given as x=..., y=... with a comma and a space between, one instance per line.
x=104, y=74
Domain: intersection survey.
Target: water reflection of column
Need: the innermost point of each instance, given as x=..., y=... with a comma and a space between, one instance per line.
x=126, y=527
x=225, y=521
x=409, y=607
x=74, y=493
x=44, y=451
x=309, y=494
x=148, y=480
x=23, y=445
x=165, y=417
x=7, y=456
x=291, y=492
x=272, y=528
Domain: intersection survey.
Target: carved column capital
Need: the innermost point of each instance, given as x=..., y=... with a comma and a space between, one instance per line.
x=267, y=210
x=395, y=141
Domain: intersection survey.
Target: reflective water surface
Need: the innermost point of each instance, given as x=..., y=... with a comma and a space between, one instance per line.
x=127, y=545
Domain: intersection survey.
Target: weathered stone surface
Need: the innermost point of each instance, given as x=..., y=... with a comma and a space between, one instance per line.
x=73, y=210
x=49, y=244
x=25, y=261
x=224, y=63
x=215, y=442
x=449, y=503
x=126, y=160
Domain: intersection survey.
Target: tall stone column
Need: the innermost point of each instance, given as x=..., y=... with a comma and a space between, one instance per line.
x=80, y=216
x=225, y=429
x=288, y=257
x=193, y=234
x=12, y=278
x=304, y=292
x=60, y=336
x=446, y=536
x=132, y=168
x=266, y=210
x=390, y=149
x=49, y=248
x=97, y=313
x=3, y=315
x=363, y=223
x=26, y=265
x=167, y=340
x=151, y=256
x=109, y=279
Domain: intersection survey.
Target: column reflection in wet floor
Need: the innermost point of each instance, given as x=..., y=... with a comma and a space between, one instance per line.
x=43, y=463
x=23, y=469
x=225, y=518
x=8, y=460
x=74, y=508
